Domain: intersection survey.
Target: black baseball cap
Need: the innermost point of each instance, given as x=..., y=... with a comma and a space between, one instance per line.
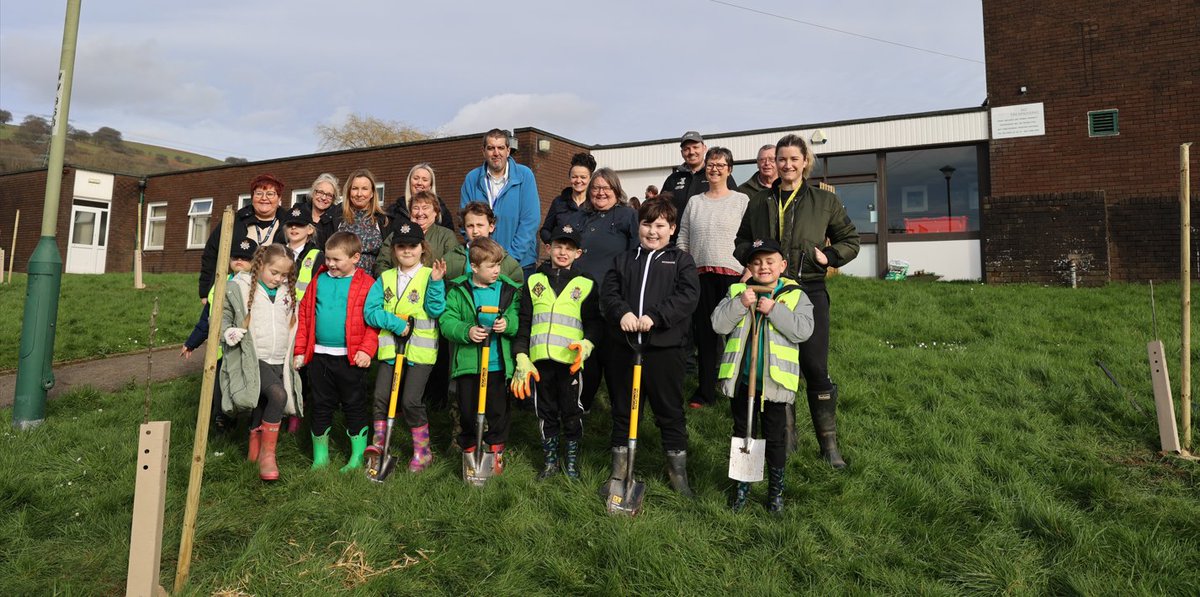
x=762, y=245
x=298, y=216
x=565, y=232
x=404, y=232
x=243, y=249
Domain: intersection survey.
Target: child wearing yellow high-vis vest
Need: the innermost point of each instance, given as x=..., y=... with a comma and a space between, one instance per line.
x=299, y=230
x=559, y=321
x=785, y=320
x=405, y=302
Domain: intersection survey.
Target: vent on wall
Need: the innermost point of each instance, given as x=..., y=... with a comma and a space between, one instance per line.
x=1102, y=123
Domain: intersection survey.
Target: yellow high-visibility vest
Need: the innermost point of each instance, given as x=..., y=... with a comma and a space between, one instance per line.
x=423, y=340
x=557, y=319
x=782, y=357
x=305, y=275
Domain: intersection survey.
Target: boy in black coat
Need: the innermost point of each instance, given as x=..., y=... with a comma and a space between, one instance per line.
x=647, y=299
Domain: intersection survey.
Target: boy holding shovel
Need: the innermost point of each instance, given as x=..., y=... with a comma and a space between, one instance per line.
x=785, y=319
x=481, y=307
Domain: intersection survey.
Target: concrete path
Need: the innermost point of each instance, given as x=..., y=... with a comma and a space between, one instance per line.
x=112, y=373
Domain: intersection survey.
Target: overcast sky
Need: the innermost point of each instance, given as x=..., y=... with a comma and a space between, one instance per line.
x=252, y=78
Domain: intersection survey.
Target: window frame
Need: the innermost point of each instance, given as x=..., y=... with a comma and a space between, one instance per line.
x=150, y=221
x=193, y=243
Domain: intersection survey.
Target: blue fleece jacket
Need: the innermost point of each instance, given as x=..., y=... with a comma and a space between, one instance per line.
x=518, y=209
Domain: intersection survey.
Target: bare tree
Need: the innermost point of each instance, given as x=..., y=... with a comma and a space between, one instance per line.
x=367, y=131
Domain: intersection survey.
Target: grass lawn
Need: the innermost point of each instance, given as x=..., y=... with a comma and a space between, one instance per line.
x=988, y=455
x=101, y=315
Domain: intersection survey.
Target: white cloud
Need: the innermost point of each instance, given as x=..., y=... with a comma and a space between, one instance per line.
x=563, y=113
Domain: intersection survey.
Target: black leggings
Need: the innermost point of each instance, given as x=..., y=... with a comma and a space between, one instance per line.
x=272, y=396
x=772, y=421
x=814, y=353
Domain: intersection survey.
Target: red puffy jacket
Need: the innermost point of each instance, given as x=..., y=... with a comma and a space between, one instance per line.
x=359, y=336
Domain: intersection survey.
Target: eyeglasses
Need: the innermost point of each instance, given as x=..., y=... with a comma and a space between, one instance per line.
x=325, y=194
x=716, y=166
x=597, y=189
x=267, y=194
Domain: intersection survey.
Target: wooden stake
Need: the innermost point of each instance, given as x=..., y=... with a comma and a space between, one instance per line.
x=1185, y=299
x=1168, y=433
x=12, y=254
x=200, y=444
x=149, y=496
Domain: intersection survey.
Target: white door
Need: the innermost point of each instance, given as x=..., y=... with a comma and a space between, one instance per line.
x=87, y=246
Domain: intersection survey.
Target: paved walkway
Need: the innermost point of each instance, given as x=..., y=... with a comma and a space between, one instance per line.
x=112, y=373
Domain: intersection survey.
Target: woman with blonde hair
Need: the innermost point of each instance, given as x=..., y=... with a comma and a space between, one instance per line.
x=363, y=217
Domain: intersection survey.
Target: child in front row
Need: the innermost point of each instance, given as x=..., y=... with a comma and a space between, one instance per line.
x=560, y=321
x=258, y=326
x=647, y=299
x=337, y=346
x=468, y=328
x=785, y=320
x=405, y=302
x=299, y=229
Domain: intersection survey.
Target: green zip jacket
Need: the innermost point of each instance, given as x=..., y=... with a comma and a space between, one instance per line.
x=813, y=216
x=460, y=316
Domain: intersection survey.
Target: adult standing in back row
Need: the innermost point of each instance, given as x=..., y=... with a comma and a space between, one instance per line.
x=511, y=191
x=688, y=179
x=801, y=216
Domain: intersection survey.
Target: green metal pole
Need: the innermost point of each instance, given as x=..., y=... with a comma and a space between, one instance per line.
x=34, y=374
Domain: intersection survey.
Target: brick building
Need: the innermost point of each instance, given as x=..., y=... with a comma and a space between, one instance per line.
x=179, y=208
x=1118, y=84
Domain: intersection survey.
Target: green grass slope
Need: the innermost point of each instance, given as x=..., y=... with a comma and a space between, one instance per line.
x=989, y=455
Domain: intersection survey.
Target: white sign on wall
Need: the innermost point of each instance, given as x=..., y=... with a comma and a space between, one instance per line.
x=1022, y=120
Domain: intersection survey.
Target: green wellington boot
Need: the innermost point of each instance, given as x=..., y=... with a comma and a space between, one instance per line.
x=358, y=445
x=320, y=451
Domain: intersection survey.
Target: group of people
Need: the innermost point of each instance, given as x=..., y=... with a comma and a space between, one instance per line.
x=315, y=297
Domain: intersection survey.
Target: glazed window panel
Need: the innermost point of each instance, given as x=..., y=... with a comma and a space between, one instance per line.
x=933, y=190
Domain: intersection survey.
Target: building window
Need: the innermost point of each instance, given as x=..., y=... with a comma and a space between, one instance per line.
x=301, y=196
x=198, y=216
x=379, y=193
x=933, y=190
x=156, y=225
x=243, y=200
x=1102, y=123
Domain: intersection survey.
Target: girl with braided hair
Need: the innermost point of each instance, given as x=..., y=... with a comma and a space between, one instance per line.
x=258, y=329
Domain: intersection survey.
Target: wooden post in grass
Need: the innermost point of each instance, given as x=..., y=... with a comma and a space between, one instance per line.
x=1185, y=299
x=149, y=496
x=1168, y=433
x=200, y=444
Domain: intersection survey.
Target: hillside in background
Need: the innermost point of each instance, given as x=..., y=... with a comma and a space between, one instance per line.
x=93, y=150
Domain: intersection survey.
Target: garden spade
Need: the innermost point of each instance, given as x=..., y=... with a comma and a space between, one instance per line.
x=479, y=466
x=746, y=455
x=625, y=495
x=381, y=464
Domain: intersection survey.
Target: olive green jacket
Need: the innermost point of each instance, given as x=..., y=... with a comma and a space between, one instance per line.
x=813, y=216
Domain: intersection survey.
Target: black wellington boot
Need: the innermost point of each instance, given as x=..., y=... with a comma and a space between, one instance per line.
x=550, y=449
x=775, y=490
x=741, y=493
x=823, y=408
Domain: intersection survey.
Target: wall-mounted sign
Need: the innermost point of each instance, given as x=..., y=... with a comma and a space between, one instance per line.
x=1022, y=120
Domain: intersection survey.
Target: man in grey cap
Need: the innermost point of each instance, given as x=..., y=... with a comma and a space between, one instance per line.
x=688, y=179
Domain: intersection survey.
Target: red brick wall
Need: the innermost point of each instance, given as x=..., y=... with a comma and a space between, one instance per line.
x=1034, y=238
x=1075, y=56
x=452, y=158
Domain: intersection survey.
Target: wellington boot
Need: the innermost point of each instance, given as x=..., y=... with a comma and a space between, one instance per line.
x=550, y=451
x=677, y=472
x=255, y=444
x=422, y=456
x=620, y=463
x=498, y=466
x=380, y=436
x=823, y=408
x=320, y=451
x=358, y=444
x=741, y=493
x=267, y=469
x=572, y=460
x=775, y=490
